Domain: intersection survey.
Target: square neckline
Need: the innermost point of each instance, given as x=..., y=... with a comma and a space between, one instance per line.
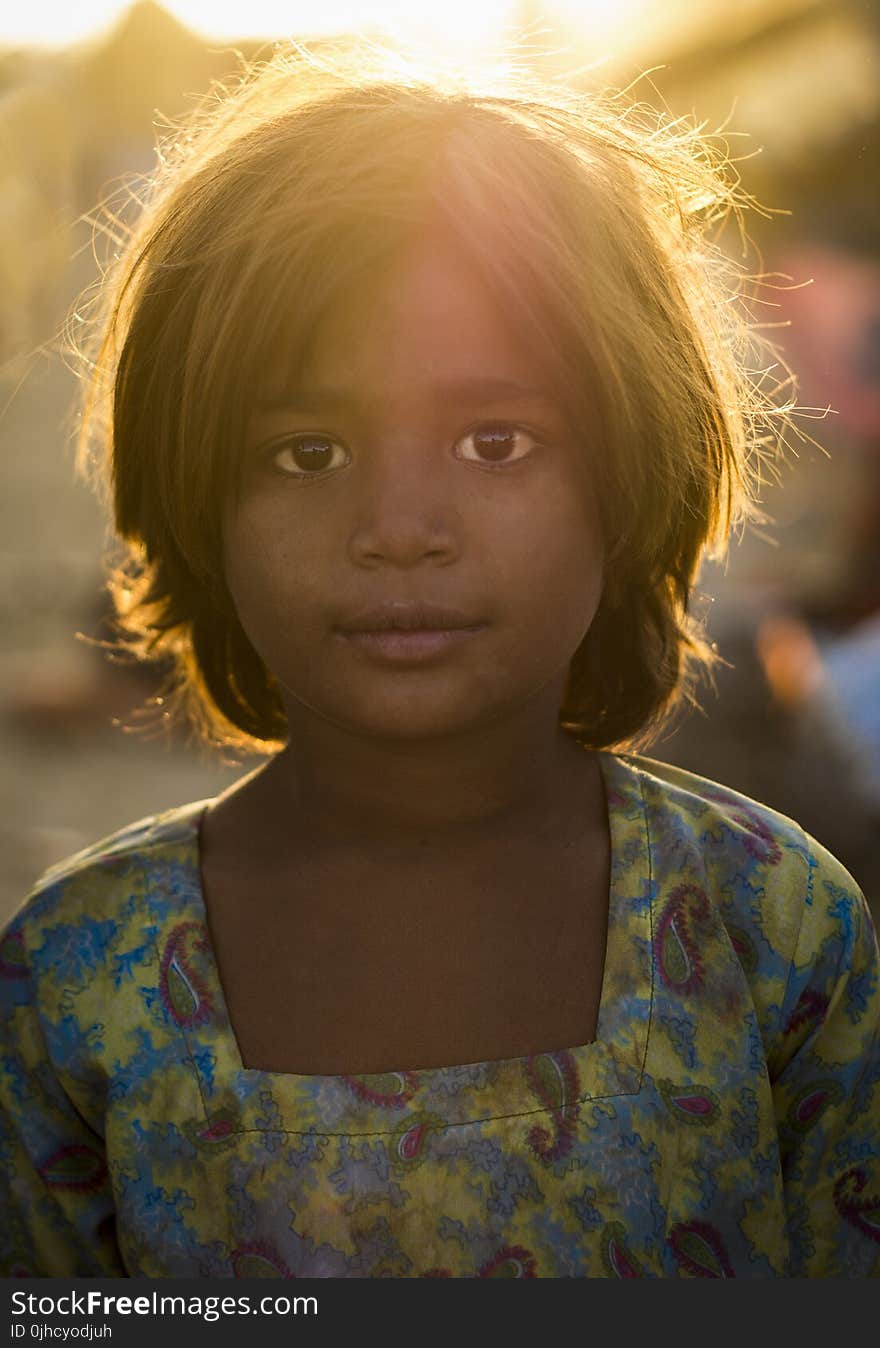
x=608, y=1065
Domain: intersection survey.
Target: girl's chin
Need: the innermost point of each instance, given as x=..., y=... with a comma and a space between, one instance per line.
x=400, y=720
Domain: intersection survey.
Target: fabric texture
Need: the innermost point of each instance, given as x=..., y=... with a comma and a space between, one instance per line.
x=724, y=1123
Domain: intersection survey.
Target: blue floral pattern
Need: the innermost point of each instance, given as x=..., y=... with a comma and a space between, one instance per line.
x=725, y=1122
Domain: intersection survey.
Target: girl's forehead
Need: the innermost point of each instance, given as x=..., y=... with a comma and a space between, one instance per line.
x=431, y=316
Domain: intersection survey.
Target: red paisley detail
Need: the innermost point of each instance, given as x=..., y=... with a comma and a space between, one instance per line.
x=408, y=1144
x=861, y=1212
x=811, y=1104
x=393, y=1089
x=258, y=1260
x=698, y=1105
x=618, y=1260
x=758, y=840
x=810, y=1009
x=217, y=1131
x=77, y=1168
x=692, y=1104
x=184, y=991
x=13, y=963
x=678, y=958
x=553, y=1078
x=511, y=1262
x=700, y=1251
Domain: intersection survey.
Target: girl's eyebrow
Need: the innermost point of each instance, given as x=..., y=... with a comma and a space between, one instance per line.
x=457, y=390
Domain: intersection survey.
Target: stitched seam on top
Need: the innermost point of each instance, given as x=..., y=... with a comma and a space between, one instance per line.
x=444, y=1128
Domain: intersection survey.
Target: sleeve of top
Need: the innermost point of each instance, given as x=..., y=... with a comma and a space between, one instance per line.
x=826, y=1081
x=55, y=1194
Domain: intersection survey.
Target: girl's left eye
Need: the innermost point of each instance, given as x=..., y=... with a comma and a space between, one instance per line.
x=495, y=445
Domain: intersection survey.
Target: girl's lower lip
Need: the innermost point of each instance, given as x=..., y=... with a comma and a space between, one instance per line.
x=398, y=646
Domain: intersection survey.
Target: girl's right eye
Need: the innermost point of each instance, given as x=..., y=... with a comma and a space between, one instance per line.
x=307, y=455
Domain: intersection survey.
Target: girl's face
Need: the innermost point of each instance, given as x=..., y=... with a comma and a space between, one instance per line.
x=423, y=462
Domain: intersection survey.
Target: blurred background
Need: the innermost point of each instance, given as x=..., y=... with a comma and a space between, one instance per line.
x=795, y=720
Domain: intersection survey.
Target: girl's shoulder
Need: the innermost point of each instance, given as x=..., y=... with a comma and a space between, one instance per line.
x=164, y=829
x=715, y=861
x=100, y=884
x=784, y=899
x=732, y=832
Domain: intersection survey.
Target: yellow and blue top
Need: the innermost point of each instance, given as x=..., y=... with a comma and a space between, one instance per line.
x=725, y=1122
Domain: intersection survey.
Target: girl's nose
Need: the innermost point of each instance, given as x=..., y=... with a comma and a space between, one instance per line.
x=405, y=513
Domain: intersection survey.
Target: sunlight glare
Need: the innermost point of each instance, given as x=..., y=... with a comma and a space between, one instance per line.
x=457, y=28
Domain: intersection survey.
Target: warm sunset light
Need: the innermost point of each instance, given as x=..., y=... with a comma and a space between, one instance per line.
x=440, y=770
x=460, y=28
x=50, y=23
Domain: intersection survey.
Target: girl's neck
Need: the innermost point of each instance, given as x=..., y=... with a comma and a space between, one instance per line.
x=329, y=787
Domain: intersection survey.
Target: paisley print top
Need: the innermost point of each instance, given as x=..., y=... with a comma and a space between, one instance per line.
x=724, y=1123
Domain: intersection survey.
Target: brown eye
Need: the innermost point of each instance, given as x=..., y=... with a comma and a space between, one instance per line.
x=495, y=444
x=307, y=455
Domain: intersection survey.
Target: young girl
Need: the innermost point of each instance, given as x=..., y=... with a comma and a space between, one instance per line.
x=421, y=403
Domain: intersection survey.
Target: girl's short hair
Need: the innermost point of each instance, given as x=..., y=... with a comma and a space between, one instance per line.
x=590, y=217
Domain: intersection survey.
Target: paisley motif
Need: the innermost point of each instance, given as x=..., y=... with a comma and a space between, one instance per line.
x=861, y=1212
x=408, y=1144
x=511, y=1262
x=811, y=1007
x=757, y=838
x=678, y=958
x=182, y=986
x=554, y=1080
x=258, y=1260
x=744, y=948
x=12, y=957
x=77, y=1168
x=618, y=1260
x=393, y=1089
x=219, y=1130
x=700, y=1251
x=810, y=1105
x=690, y=1104
x=759, y=841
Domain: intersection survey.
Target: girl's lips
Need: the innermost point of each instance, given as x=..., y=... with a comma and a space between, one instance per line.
x=408, y=615
x=401, y=646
